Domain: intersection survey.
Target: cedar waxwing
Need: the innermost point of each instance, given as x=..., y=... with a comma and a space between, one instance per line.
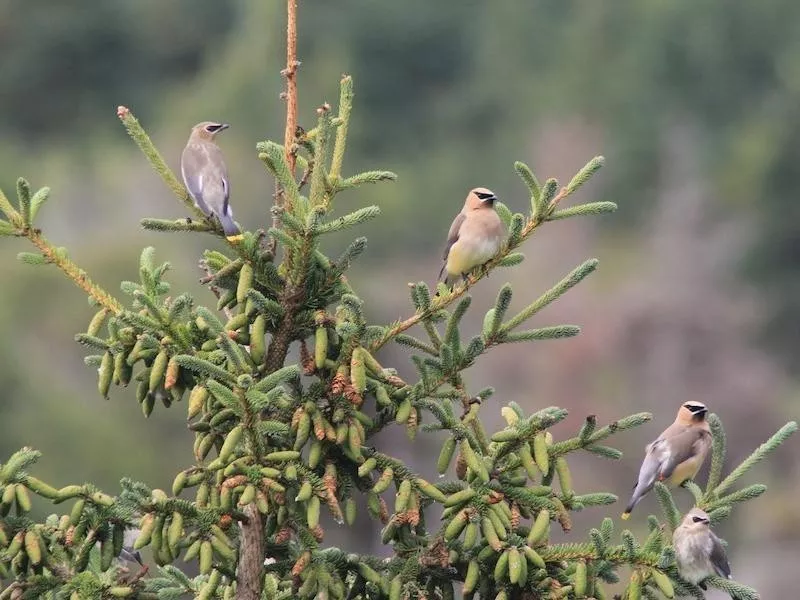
x=206, y=177
x=698, y=551
x=677, y=454
x=128, y=552
x=475, y=236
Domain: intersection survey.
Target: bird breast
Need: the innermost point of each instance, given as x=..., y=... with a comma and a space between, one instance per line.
x=686, y=470
x=693, y=555
x=486, y=248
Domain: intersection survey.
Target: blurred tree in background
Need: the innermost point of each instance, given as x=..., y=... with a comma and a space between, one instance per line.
x=89, y=55
x=548, y=82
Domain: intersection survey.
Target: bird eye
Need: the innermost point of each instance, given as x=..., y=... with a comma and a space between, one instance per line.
x=213, y=128
x=485, y=195
x=698, y=519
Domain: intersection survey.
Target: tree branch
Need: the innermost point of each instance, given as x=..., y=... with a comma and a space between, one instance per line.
x=291, y=82
x=251, y=567
x=251, y=559
x=74, y=272
x=290, y=95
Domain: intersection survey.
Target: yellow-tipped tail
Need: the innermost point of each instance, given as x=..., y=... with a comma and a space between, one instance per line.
x=233, y=239
x=626, y=516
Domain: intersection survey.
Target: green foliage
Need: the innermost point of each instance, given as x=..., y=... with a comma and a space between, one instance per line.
x=718, y=506
x=121, y=38
x=495, y=83
x=274, y=449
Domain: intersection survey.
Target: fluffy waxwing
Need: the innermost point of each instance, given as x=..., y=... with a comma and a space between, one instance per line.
x=698, y=551
x=475, y=236
x=206, y=177
x=677, y=454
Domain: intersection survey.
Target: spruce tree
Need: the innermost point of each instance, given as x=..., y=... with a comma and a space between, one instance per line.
x=278, y=442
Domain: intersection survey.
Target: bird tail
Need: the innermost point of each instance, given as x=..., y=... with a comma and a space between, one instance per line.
x=231, y=229
x=633, y=502
x=629, y=509
x=446, y=278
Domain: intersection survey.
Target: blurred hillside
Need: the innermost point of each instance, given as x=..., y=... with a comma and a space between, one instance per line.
x=694, y=105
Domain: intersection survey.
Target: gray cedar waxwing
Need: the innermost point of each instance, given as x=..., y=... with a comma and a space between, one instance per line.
x=128, y=553
x=474, y=237
x=698, y=551
x=677, y=454
x=206, y=177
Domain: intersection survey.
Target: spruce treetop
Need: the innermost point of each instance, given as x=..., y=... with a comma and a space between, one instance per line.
x=279, y=443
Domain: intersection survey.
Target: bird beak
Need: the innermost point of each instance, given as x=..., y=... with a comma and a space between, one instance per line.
x=223, y=127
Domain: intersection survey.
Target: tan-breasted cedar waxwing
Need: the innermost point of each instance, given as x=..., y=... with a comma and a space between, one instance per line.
x=474, y=237
x=677, y=454
x=206, y=177
x=698, y=551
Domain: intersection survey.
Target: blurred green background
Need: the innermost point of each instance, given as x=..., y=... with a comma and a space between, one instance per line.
x=696, y=106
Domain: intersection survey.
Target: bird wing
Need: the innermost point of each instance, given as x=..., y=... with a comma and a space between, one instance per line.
x=719, y=558
x=671, y=448
x=452, y=235
x=226, y=189
x=683, y=446
x=452, y=238
x=193, y=161
x=131, y=555
x=205, y=175
x=656, y=454
x=221, y=171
